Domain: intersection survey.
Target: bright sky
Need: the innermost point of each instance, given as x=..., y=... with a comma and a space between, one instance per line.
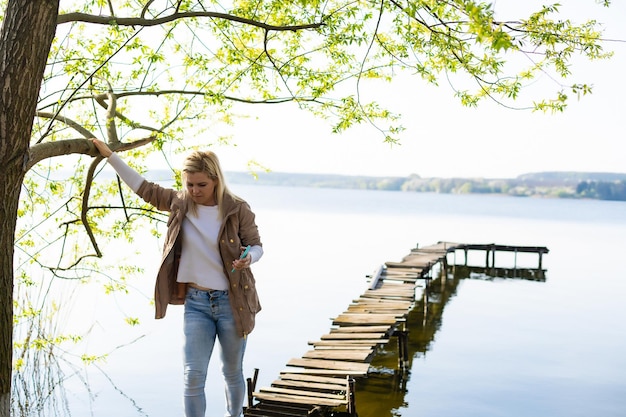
x=444, y=139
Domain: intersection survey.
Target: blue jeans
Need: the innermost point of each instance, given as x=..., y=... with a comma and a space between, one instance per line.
x=208, y=315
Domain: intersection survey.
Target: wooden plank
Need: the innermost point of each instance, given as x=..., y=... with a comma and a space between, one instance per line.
x=342, y=347
x=304, y=393
x=289, y=399
x=382, y=302
x=373, y=303
x=313, y=378
x=413, y=272
x=348, y=344
x=309, y=385
x=398, y=314
x=376, y=309
x=360, y=329
x=351, y=336
x=397, y=286
x=339, y=355
x=395, y=272
x=387, y=292
x=273, y=409
x=400, y=278
x=421, y=272
x=328, y=372
x=393, y=289
x=356, y=367
x=373, y=319
x=339, y=342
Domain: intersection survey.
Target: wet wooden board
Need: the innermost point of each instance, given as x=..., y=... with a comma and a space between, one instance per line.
x=390, y=286
x=339, y=344
x=328, y=372
x=274, y=409
x=312, y=378
x=400, y=267
x=360, y=355
x=295, y=399
x=383, y=302
x=359, y=329
x=374, y=319
x=352, y=336
x=287, y=383
x=393, y=289
x=377, y=309
x=357, y=368
x=400, y=278
x=304, y=393
x=391, y=293
x=345, y=346
x=399, y=273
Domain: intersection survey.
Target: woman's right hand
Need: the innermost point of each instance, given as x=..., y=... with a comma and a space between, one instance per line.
x=102, y=147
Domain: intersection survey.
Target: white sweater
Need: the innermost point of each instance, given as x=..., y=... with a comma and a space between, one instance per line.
x=200, y=261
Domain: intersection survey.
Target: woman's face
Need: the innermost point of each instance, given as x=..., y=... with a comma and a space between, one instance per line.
x=201, y=188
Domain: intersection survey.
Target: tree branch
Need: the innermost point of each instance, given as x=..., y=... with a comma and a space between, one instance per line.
x=101, y=100
x=140, y=21
x=71, y=123
x=111, y=112
x=85, y=205
x=42, y=151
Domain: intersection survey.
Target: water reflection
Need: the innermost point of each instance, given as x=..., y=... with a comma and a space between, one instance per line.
x=382, y=393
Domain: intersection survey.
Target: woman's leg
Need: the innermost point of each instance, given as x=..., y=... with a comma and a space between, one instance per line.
x=200, y=331
x=233, y=346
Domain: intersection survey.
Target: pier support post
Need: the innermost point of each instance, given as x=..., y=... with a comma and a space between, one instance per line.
x=351, y=407
x=251, y=382
x=403, y=348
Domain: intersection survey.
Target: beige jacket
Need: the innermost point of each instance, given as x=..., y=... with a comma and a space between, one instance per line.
x=238, y=229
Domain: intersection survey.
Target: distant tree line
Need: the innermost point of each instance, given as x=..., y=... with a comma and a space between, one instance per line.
x=602, y=190
x=600, y=186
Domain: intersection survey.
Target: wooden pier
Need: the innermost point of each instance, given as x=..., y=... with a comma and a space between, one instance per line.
x=322, y=381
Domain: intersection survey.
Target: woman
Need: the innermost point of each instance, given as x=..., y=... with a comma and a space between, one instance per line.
x=203, y=267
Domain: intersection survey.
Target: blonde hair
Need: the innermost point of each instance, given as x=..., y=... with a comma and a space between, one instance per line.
x=208, y=163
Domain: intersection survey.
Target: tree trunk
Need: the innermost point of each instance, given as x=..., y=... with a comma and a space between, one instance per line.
x=25, y=39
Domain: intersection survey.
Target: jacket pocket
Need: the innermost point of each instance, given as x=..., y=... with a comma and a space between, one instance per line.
x=249, y=292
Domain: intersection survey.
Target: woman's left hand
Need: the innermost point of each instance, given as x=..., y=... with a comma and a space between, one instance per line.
x=244, y=263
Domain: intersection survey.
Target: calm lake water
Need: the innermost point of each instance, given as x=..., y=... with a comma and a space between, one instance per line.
x=501, y=347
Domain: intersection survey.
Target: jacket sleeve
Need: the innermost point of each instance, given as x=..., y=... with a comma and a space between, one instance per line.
x=160, y=197
x=248, y=230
